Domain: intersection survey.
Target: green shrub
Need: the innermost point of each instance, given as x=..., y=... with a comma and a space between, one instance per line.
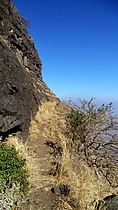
x=75, y=121
x=12, y=167
x=93, y=135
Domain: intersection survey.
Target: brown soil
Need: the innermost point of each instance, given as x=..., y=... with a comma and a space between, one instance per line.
x=41, y=197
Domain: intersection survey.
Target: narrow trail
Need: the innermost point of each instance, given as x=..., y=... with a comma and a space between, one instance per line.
x=41, y=197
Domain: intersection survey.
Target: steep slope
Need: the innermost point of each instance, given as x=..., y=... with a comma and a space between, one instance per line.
x=21, y=84
x=60, y=178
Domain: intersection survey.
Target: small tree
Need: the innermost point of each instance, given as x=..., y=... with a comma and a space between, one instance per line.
x=25, y=22
x=93, y=134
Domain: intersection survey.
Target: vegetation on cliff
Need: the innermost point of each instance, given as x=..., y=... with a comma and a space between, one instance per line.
x=93, y=135
x=64, y=154
x=14, y=182
x=83, y=142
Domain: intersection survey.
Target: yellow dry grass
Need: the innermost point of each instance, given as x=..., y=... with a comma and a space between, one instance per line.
x=86, y=188
x=33, y=163
x=24, y=151
x=49, y=121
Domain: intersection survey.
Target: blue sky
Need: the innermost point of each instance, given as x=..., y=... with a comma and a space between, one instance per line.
x=77, y=41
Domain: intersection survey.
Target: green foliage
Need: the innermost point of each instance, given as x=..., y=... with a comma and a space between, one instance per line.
x=12, y=167
x=86, y=122
x=93, y=134
x=74, y=120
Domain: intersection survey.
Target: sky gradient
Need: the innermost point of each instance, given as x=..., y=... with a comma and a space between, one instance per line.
x=77, y=41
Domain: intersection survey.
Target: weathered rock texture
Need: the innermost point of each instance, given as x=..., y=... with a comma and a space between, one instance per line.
x=21, y=86
x=108, y=203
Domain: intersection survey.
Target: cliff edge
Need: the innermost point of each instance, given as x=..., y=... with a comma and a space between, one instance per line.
x=70, y=153
x=21, y=84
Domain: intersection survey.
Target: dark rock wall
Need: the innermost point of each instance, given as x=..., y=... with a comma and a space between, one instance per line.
x=21, y=85
x=13, y=29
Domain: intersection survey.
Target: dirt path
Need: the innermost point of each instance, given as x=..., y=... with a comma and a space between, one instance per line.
x=41, y=197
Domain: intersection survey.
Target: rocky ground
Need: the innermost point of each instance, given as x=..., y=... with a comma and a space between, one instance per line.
x=21, y=84
x=33, y=119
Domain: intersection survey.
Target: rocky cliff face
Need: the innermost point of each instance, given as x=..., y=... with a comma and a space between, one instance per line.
x=21, y=86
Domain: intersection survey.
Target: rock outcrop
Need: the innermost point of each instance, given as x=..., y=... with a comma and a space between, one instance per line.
x=108, y=203
x=21, y=86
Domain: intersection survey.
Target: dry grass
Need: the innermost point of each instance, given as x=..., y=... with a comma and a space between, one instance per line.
x=92, y=188
x=25, y=152
x=85, y=187
x=49, y=121
x=33, y=163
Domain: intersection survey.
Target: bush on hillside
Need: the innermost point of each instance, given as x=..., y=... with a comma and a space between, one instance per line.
x=93, y=134
x=13, y=177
